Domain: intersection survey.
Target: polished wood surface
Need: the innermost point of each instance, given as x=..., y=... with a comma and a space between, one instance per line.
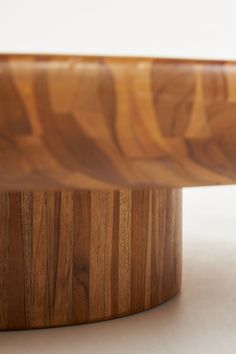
x=78, y=256
x=75, y=245
x=96, y=123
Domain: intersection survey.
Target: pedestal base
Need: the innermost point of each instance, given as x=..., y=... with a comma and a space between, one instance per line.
x=83, y=256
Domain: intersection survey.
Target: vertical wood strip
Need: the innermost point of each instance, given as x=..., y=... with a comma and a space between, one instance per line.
x=149, y=252
x=169, y=244
x=15, y=280
x=4, y=254
x=101, y=247
x=177, y=241
x=115, y=254
x=158, y=243
x=139, y=233
x=64, y=269
x=81, y=255
x=27, y=216
x=40, y=238
x=171, y=247
x=125, y=250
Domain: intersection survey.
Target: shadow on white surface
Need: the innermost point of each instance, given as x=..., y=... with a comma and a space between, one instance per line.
x=202, y=319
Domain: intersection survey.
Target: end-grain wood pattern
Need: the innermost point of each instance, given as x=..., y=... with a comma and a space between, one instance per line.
x=79, y=256
x=100, y=122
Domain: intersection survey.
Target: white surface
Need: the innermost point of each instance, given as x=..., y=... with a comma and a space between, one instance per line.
x=169, y=28
x=201, y=320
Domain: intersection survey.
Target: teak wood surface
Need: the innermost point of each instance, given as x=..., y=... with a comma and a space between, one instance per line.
x=94, y=122
x=93, y=153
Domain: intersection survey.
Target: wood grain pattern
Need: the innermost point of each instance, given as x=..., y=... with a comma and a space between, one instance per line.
x=100, y=122
x=80, y=256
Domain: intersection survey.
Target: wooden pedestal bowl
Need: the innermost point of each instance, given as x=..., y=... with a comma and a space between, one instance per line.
x=94, y=152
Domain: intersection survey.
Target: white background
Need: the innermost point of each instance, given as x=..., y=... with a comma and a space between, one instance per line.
x=181, y=28
x=202, y=319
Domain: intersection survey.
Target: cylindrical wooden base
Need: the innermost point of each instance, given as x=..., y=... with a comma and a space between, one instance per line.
x=82, y=256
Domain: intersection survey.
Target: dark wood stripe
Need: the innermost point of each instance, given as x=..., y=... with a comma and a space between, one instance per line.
x=15, y=279
x=139, y=235
x=81, y=255
x=4, y=256
x=27, y=236
x=115, y=254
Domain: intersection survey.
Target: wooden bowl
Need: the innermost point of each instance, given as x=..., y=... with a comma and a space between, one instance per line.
x=94, y=153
